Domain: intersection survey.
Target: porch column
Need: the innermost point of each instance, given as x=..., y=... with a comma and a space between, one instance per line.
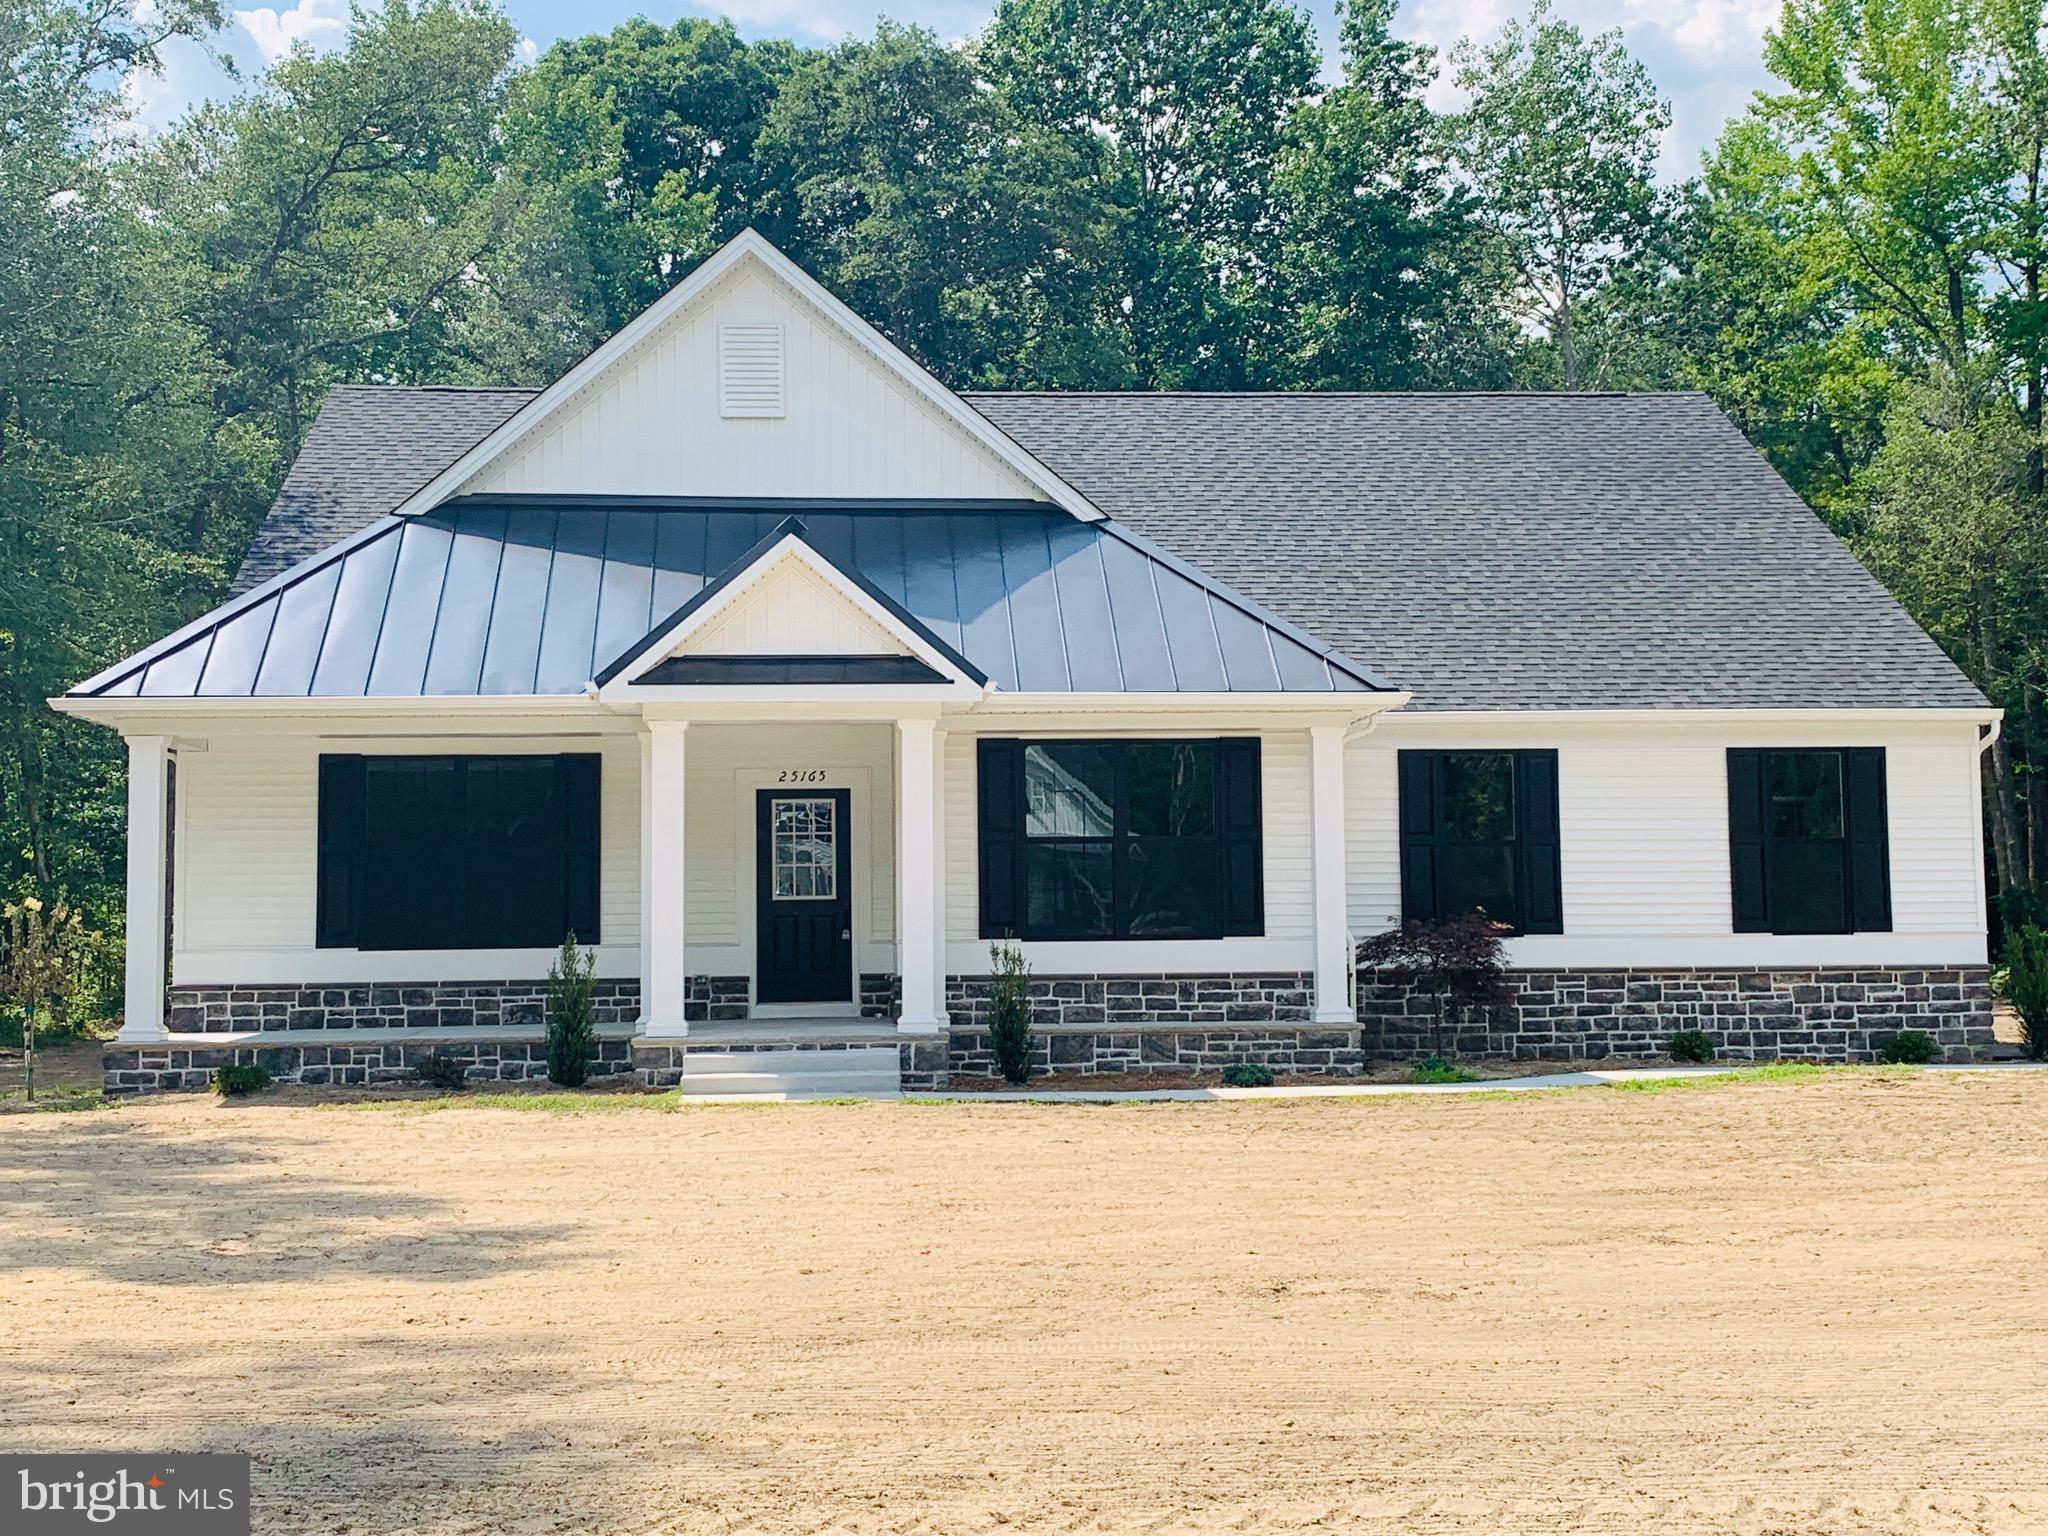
x=917, y=833
x=663, y=970
x=142, y=1016
x=1334, y=1003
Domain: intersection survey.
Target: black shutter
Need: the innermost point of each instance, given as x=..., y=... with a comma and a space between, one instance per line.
x=1419, y=833
x=1539, y=879
x=578, y=779
x=1240, y=819
x=1747, y=821
x=1864, y=811
x=999, y=819
x=338, y=879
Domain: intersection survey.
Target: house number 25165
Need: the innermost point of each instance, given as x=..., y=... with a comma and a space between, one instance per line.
x=801, y=776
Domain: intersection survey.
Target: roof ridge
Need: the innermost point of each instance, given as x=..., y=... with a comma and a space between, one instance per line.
x=1335, y=394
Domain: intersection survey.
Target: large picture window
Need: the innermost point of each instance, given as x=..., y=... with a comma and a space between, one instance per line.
x=1120, y=839
x=1479, y=833
x=1807, y=840
x=457, y=852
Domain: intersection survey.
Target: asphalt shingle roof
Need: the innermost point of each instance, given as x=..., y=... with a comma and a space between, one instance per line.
x=1589, y=551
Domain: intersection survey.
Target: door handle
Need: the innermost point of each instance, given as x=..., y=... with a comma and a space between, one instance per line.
x=846, y=933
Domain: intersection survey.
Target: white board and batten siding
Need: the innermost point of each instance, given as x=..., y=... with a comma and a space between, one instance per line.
x=751, y=392
x=1643, y=814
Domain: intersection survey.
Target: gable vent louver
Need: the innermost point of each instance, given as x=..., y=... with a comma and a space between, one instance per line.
x=750, y=370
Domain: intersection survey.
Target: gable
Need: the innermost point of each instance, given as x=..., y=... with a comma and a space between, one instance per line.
x=704, y=406
x=792, y=612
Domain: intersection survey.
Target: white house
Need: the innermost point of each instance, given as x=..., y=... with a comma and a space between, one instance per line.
x=789, y=679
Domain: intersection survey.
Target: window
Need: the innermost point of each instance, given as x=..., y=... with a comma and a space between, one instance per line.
x=1120, y=839
x=1807, y=840
x=457, y=852
x=803, y=837
x=1479, y=833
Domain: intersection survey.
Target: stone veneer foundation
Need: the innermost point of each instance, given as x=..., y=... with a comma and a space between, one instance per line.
x=1835, y=1014
x=1110, y=1023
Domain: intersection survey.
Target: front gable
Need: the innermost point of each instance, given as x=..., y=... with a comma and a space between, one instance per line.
x=749, y=380
x=785, y=614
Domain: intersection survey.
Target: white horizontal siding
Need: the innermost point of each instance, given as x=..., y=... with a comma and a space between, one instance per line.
x=1643, y=815
x=245, y=897
x=652, y=424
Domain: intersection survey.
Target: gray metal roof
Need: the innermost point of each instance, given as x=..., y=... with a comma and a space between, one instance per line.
x=538, y=595
x=1486, y=551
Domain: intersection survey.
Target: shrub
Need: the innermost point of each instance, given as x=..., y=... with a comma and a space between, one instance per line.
x=1694, y=1045
x=1435, y=1069
x=1247, y=1074
x=2026, y=987
x=1009, y=1011
x=1459, y=963
x=572, y=1028
x=233, y=1082
x=1907, y=1047
x=437, y=1069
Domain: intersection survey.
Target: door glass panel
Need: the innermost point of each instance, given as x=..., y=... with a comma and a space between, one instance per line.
x=803, y=842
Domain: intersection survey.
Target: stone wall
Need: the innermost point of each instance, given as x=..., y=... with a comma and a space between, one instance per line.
x=1062, y=1001
x=132, y=1069
x=425, y=1005
x=1801, y=1015
x=881, y=995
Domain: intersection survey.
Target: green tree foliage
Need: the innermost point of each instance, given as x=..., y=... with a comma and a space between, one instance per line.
x=1560, y=143
x=1178, y=109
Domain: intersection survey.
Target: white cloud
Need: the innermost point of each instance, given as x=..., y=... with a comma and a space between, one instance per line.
x=529, y=50
x=316, y=23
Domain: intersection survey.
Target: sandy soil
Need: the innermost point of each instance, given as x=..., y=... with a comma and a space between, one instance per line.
x=1774, y=1308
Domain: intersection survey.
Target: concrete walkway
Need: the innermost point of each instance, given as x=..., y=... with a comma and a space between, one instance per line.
x=1587, y=1079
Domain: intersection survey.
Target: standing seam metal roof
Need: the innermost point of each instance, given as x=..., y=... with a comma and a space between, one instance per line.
x=536, y=595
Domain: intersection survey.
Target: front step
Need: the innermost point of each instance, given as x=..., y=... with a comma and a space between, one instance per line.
x=868, y=1070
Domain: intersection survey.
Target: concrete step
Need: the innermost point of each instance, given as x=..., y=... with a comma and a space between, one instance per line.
x=870, y=1070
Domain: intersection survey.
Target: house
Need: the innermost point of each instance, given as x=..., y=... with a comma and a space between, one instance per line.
x=789, y=679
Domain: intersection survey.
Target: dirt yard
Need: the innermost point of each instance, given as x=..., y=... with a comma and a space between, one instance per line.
x=1788, y=1308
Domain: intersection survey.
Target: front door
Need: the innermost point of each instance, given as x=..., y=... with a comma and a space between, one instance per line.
x=803, y=897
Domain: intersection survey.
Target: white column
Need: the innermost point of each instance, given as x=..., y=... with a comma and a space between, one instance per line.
x=917, y=818
x=1334, y=1003
x=939, y=876
x=142, y=1017
x=663, y=972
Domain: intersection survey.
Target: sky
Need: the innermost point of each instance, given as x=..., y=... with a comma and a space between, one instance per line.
x=1705, y=55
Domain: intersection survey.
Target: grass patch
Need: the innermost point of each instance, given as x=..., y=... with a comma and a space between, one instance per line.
x=59, y=1099
x=1434, y=1069
x=1775, y=1072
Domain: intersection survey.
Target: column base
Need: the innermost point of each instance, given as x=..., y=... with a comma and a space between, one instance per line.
x=1346, y=1017
x=664, y=1029
x=920, y=1026
x=146, y=1034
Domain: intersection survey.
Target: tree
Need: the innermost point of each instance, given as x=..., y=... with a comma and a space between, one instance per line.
x=1458, y=963
x=1178, y=110
x=104, y=426
x=646, y=135
x=1560, y=143
x=1951, y=525
x=1381, y=266
x=974, y=239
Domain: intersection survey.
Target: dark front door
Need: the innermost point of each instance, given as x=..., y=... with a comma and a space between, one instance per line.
x=803, y=897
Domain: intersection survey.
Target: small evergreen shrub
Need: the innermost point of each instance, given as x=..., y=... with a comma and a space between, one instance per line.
x=1436, y=1069
x=1247, y=1074
x=1907, y=1047
x=1009, y=1011
x=234, y=1082
x=437, y=1069
x=1692, y=1045
x=572, y=1027
x=2026, y=987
